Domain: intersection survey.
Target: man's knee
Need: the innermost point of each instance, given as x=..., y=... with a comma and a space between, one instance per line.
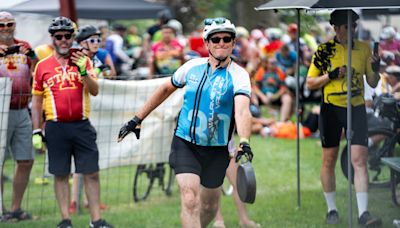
x=210, y=207
x=190, y=198
x=92, y=176
x=286, y=99
x=210, y=201
x=25, y=164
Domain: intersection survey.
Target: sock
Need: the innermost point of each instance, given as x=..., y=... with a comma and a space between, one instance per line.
x=362, y=202
x=370, y=142
x=330, y=198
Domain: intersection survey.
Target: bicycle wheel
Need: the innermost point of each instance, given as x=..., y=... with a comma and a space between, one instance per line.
x=227, y=188
x=379, y=174
x=169, y=177
x=142, y=182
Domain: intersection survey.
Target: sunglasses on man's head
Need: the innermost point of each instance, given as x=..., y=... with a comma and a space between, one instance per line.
x=8, y=24
x=94, y=40
x=67, y=36
x=216, y=40
x=218, y=21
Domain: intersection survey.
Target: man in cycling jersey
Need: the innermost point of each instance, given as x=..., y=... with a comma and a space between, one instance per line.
x=217, y=96
x=17, y=61
x=328, y=72
x=65, y=80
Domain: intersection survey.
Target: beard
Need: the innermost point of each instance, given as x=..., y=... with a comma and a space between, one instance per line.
x=62, y=51
x=6, y=36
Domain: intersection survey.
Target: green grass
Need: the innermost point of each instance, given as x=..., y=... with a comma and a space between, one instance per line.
x=275, y=206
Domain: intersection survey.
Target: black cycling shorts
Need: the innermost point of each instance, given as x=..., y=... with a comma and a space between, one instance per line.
x=208, y=162
x=333, y=120
x=67, y=139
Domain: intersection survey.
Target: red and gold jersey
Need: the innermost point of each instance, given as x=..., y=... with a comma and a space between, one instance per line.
x=65, y=98
x=17, y=67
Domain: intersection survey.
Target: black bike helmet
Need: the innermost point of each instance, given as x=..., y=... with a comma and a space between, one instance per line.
x=85, y=32
x=61, y=24
x=164, y=16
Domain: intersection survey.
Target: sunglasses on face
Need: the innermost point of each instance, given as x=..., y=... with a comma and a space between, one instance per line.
x=67, y=36
x=216, y=40
x=94, y=40
x=218, y=21
x=8, y=25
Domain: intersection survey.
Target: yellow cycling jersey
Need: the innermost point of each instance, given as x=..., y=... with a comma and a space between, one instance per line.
x=43, y=51
x=332, y=54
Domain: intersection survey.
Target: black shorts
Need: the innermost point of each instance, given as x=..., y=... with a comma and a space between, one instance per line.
x=333, y=120
x=208, y=162
x=67, y=139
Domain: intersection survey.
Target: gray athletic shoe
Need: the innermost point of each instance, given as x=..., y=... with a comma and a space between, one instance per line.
x=332, y=217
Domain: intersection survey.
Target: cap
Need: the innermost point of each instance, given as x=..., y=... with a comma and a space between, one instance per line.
x=4, y=15
x=256, y=34
x=393, y=70
x=339, y=17
x=388, y=33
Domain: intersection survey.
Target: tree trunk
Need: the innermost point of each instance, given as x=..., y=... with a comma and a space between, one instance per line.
x=244, y=14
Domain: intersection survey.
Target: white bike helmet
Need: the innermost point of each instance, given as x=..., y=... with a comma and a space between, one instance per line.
x=220, y=24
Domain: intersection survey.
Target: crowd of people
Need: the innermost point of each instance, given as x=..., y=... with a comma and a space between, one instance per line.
x=235, y=73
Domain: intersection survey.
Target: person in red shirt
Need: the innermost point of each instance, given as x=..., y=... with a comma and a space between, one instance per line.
x=16, y=61
x=65, y=80
x=167, y=54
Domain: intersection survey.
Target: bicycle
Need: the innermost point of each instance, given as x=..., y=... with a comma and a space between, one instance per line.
x=145, y=176
x=384, y=143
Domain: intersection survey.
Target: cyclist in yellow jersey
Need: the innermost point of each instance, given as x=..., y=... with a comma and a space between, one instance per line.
x=328, y=71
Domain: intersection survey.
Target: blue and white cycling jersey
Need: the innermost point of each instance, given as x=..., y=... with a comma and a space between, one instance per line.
x=207, y=114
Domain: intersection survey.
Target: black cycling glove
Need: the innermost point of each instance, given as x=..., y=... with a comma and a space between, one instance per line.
x=334, y=74
x=244, y=149
x=131, y=126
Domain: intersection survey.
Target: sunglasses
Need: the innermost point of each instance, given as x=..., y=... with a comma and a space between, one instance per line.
x=218, y=21
x=67, y=36
x=94, y=40
x=8, y=24
x=216, y=40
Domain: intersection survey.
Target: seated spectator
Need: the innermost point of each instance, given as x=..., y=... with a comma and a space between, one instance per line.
x=288, y=129
x=286, y=60
x=389, y=43
x=393, y=80
x=115, y=46
x=240, y=52
x=275, y=43
x=257, y=42
x=167, y=54
x=270, y=88
x=258, y=122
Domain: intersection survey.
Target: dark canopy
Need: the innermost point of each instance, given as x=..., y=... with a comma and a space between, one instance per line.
x=95, y=9
x=329, y=4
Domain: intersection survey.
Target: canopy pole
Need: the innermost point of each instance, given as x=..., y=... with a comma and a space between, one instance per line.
x=298, y=107
x=68, y=9
x=349, y=131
